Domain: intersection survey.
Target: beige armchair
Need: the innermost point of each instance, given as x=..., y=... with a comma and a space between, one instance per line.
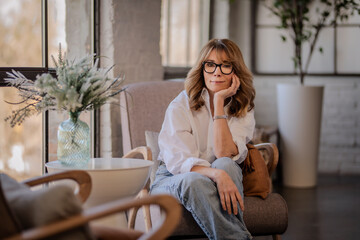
x=143, y=107
x=12, y=228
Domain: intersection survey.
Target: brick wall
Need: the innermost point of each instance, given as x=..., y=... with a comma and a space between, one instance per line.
x=340, y=130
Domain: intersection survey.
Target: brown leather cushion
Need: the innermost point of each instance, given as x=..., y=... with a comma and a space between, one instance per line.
x=256, y=178
x=108, y=233
x=262, y=217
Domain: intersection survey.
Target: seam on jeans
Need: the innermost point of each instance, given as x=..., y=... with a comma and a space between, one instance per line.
x=198, y=221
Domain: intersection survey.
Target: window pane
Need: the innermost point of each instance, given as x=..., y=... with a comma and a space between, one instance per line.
x=20, y=33
x=194, y=38
x=265, y=16
x=272, y=54
x=348, y=51
x=354, y=19
x=163, y=32
x=69, y=25
x=56, y=28
x=178, y=33
x=20, y=155
x=322, y=62
x=184, y=30
x=316, y=7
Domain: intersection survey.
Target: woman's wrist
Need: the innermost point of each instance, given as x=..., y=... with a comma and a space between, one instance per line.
x=220, y=117
x=219, y=99
x=216, y=174
x=209, y=172
x=219, y=106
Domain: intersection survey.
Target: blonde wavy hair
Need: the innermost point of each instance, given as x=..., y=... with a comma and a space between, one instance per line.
x=243, y=100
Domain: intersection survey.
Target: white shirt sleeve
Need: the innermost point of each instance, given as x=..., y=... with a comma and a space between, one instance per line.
x=242, y=130
x=178, y=145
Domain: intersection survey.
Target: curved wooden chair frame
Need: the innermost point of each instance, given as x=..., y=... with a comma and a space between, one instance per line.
x=167, y=203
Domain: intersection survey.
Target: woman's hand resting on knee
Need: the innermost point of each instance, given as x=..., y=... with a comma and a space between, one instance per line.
x=228, y=192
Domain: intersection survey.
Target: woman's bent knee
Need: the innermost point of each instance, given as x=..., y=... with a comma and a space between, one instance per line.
x=194, y=182
x=194, y=179
x=228, y=165
x=223, y=163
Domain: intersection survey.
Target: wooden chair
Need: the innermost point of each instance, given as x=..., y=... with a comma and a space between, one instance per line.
x=11, y=229
x=143, y=107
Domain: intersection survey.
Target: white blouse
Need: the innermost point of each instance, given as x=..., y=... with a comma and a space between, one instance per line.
x=186, y=136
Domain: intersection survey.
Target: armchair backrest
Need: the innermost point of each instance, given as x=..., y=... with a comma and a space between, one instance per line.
x=143, y=107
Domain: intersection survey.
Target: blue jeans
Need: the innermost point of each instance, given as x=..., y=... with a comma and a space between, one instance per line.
x=199, y=196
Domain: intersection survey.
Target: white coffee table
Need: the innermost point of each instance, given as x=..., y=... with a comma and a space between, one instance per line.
x=112, y=179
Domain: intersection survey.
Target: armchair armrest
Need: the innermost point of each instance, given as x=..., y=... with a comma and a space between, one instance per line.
x=270, y=154
x=265, y=134
x=166, y=202
x=82, y=178
x=146, y=153
x=143, y=151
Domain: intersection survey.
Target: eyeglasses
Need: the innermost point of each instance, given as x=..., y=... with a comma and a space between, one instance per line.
x=210, y=67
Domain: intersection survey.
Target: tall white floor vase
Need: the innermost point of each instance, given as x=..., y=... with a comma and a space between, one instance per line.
x=299, y=116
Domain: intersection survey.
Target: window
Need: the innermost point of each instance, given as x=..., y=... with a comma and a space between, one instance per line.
x=21, y=153
x=30, y=32
x=184, y=30
x=340, y=52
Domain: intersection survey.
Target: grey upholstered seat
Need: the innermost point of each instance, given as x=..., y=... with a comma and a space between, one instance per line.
x=143, y=107
x=262, y=217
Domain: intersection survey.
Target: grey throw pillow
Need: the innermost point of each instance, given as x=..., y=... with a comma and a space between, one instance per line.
x=34, y=208
x=152, y=142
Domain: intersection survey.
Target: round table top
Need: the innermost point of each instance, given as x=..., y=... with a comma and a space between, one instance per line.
x=96, y=164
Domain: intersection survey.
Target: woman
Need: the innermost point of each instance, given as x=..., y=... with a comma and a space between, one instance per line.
x=203, y=141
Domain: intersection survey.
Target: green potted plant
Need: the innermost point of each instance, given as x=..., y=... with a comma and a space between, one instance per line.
x=300, y=106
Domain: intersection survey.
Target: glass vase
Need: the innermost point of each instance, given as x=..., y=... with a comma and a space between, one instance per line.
x=73, y=142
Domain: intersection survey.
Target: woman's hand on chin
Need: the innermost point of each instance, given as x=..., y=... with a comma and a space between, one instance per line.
x=230, y=91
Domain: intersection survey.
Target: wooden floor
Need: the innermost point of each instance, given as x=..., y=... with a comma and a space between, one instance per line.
x=331, y=211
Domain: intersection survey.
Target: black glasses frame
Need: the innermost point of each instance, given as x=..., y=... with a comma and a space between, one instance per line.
x=217, y=65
